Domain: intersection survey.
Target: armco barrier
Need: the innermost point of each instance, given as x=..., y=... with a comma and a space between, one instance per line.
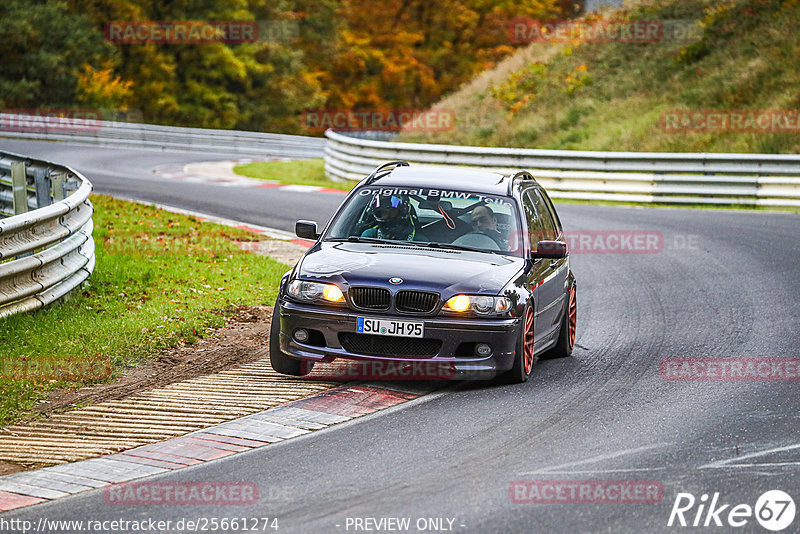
x=46, y=245
x=134, y=135
x=680, y=178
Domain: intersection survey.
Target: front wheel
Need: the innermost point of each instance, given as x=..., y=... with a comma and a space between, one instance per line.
x=524, y=358
x=283, y=363
x=566, y=336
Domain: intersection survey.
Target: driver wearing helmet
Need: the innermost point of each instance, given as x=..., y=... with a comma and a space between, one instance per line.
x=394, y=217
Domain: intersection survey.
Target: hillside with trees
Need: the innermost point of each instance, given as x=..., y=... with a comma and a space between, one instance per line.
x=723, y=78
x=335, y=54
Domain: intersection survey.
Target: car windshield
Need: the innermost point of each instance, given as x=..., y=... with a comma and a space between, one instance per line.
x=430, y=217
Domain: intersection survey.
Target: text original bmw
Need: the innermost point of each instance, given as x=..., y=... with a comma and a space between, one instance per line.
x=463, y=269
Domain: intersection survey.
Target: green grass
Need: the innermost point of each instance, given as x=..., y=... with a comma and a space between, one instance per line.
x=611, y=96
x=303, y=172
x=161, y=280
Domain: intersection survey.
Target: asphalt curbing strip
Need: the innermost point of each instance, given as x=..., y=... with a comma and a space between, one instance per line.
x=280, y=423
x=295, y=418
x=195, y=173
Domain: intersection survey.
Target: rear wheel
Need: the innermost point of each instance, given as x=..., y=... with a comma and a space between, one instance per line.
x=524, y=358
x=283, y=363
x=566, y=336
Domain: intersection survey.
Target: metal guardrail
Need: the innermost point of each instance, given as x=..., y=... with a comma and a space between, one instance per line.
x=134, y=135
x=46, y=245
x=672, y=178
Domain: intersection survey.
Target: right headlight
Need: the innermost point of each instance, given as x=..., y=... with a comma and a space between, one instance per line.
x=315, y=292
x=482, y=305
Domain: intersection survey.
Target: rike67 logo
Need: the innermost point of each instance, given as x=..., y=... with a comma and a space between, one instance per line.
x=774, y=510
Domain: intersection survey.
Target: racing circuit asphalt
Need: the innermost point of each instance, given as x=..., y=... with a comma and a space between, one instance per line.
x=604, y=414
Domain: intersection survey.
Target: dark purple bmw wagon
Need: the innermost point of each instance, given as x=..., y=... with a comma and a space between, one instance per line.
x=447, y=266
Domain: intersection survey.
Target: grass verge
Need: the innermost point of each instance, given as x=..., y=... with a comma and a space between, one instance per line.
x=161, y=280
x=302, y=172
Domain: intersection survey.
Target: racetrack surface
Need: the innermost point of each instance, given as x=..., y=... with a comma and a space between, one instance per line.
x=604, y=414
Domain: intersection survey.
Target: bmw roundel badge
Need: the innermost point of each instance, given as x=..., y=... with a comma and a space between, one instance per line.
x=395, y=280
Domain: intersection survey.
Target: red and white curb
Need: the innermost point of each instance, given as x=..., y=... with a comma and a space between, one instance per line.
x=196, y=173
x=240, y=435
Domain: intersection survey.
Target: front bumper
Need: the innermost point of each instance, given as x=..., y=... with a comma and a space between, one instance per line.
x=500, y=334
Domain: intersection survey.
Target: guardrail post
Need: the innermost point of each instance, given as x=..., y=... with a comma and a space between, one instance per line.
x=41, y=178
x=19, y=187
x=70, y=185
x=57, y=183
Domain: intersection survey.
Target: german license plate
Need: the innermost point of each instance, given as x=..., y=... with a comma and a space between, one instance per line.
x=389, y=327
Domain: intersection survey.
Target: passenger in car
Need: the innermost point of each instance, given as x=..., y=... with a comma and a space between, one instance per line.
x=484, y=221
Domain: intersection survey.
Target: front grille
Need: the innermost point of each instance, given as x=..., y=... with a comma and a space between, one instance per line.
x=416, y=301
x=370, y=298
x=374, y=345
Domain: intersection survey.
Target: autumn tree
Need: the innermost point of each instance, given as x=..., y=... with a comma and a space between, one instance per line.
x=342, y=54
x=44, y=46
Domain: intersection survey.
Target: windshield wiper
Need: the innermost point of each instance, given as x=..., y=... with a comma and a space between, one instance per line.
x=450, y=246
x=376, y=240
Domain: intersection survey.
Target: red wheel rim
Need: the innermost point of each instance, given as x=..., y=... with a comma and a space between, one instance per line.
x=528, y=341
x=573, y=316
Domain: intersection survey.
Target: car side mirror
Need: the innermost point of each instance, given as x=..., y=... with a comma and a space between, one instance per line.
x=550, y=249
x=306, y=230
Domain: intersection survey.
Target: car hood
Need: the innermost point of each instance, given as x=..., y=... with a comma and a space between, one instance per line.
x=443, y=271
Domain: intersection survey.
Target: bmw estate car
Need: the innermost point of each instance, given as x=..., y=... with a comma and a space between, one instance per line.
x=451, y=266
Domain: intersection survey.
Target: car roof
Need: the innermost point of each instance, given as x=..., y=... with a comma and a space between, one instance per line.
x=463, y=179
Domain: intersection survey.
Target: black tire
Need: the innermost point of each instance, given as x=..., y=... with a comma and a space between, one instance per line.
x=521, y=370
x=566, y=334
x=283, y=363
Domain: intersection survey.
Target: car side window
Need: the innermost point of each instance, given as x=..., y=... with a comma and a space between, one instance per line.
x=553, y=212
x=550, y=227
x=536, y=227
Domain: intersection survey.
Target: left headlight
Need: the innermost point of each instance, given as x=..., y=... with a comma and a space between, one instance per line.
x=315, y=292
x=478, y=304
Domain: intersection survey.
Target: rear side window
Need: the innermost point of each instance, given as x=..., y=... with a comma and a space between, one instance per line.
x=550, y=227
x=552, y=209
x=541, y=226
